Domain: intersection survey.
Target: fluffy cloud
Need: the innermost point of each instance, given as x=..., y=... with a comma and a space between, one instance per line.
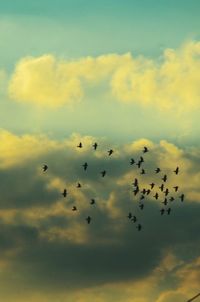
x=168, y=82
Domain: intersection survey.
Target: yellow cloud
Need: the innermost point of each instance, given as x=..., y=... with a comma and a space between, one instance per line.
x=168, y=82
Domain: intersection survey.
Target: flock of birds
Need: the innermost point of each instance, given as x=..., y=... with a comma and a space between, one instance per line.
x=137, y=190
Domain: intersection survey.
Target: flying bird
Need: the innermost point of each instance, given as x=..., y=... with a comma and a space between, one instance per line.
x=85, y=165
x=145, y=150
x=143, y=172
x=92, y=201
x=171, y=198
x=135, y=183
x=139, y=164
x=80, y=145
x=74, y=208
x=144, y=191
x=78, y=185
x=45, y=167
x=169, y=211
x=141, y=159
x=95, y=146
x=152, y=185
x=142, y=197
x=132, y=161
x=176, y=171
x=164, y=178
x=161, y=187
x=103, y=173
x=136, y=190
x=139, y=227
x=88, y=219
x=141, y=206
x=182, y=197
x=166, y=192
x=156, y=195
x=129, y=215
x=64, y=193
x=162, y=211
x=148, y=191
x=176, y=188
x=134, y=219
x=157, y=170
x=165, y=201
x=110, y=152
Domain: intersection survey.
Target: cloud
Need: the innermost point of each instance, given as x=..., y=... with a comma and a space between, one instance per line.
x=170, y=82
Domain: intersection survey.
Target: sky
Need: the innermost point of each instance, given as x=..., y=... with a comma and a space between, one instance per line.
x=125, y=75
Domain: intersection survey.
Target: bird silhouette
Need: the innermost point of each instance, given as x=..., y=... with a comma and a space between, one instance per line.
x=95, y=145
x=157, y=170
x=74, y=208
x=80, y=145
x=103, y=173
x=166, y=191
x=182, y=197
x=132, y=161
x=143, y=172
x=144, y=191
x=139, y=227
x=136, y=190
x=152, y=185
x=169, y=211
x=161, y=187
x=171, y=198
x=176, y=188
x=139, y=164
x=162, y=211
x=176, y=171
x=164, y=178
x=135, y=183
x=156, y=195
x=141, y=159
x=64, y=193
x=45, y=167
x=165, y=202
x=129, y=215
x=85, y=165
x=78, y=185
x=145, y=149
x=141, y=206
x=92, y=201
x=110, y=152
x=142, y=197
x=88, y=219
x=134, y=219
x=148, y=191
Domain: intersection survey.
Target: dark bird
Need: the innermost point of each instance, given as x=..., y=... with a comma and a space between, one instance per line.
x=129, y=215
x=148, y=192
x=166, y=192
x=134, y=219
x=143, y=172
x=171, y=198
x=132, y=161
x=95, y=146
x=139, y=227
x=176, y=171
x=85, y=165
x=145, y=149
x=144, y=191
x=157, y=170
x=142, y=197
x=141, y=159
x=88, y=219
x=161, y=187
x=156, y=195
x=182, y=197
x=45, y=167
x=103, y=173
x=110, y=152
x=141, y=206
x=135, y=183
x=64, y=193
x=139, y=164
x=80, y=145
x=176, y=188
x=74, y=208
x=165, y=201
x=92, y=201
x=169, y=211
x=136, y=190
x=78, y=185
x=164, y=178
x=162, y=211
x=152, y=185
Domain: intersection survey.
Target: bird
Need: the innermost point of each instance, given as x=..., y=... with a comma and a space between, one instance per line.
x=152, y=185
x=145, y=149
x=143, y=172
x=176, y=188
x=162, y=211
x=78, y=185
x=176, y=170
x=161, y=187
x=110, y=152
x=142, y=197
x=135, y=183
x=139, y=227
x=74, y=208
x=45, y=167
x=134, y=219
x=88, y=219
x=103, y=173
x=141, y=206
x=169, y=211
x=64, y=193
x=182, y=197
x=132, y=161
x=171, y=198
x=165, y=201
x=136, y=190
x=85, y=165
x=95, y=146
x=143, y=191
x=164, y=178
x=139, y=164
x=156, y=195
x=141, y=159
x=129, y=215
x=92, y=201
x=148, y=191
x=157, y=170
x=80, y=145
x=166, y=192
